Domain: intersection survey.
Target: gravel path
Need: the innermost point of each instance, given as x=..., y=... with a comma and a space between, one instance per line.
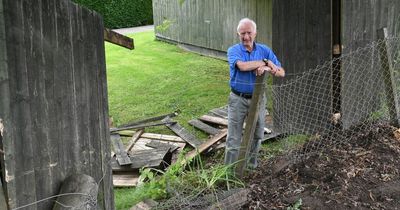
x=133, y=30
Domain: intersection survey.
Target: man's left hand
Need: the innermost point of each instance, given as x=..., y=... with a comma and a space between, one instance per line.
x=260, y=70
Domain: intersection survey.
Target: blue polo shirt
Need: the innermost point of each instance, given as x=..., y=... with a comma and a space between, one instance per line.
x=243, y=81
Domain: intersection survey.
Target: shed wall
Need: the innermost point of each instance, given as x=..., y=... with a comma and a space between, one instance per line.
x=210, y=24
x=302, y=40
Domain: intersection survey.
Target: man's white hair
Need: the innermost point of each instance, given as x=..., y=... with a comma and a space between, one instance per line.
x=246, y=20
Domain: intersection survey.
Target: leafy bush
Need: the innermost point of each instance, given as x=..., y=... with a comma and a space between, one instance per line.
x=121, y=13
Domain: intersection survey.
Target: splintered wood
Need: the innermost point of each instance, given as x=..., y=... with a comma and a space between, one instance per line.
x=154, y=150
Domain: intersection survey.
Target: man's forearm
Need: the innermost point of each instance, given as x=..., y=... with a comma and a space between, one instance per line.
x=249, y=65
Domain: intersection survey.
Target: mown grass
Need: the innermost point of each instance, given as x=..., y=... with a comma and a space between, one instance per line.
x=158, y=78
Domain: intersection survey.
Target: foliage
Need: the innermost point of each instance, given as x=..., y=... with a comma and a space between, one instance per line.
x=181, y=2
x=197, y=178
x=165, y=25
x=121, y=13
x=209, y=179
x=379, y=113
x=296, y=206
x=288, y=143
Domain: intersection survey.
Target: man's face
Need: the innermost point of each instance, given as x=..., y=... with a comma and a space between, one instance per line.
x=247, y=34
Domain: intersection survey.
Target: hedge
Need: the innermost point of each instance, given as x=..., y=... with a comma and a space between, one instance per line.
x=121, y=13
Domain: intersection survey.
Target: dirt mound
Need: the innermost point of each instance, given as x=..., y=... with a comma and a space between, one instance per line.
x=360, y=173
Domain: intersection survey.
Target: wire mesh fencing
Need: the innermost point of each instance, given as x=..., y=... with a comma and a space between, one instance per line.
x=183, y=196
x=327, y=105
x=328, y=102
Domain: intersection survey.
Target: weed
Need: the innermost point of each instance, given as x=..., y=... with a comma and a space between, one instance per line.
x=296, y=206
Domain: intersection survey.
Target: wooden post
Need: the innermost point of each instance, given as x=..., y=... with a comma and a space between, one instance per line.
x=250, y=126
x=388, y=74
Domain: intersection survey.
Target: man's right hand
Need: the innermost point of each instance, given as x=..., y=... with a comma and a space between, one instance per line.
x=260, y=70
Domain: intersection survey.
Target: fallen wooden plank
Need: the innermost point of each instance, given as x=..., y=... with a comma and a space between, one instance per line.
x=204, y=127
x=234, y=201
x=146, y=144
x=220, y=146
x=121, y=154
x=159, y=145
x=222, y=121
x=206, y=144
x=163, y=137
x=128, y=133
x=133, y=140
x=118, y=39
x=113, y=130
x=141, y=144
x=155, y=158
x=126, y=179
x=182, y=132
x=215, y=120
x=220, y=112
x=151, y=119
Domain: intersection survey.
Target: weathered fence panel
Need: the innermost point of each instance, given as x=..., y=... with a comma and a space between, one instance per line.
x=53, y=100
x=209, y=26
x=361, y=20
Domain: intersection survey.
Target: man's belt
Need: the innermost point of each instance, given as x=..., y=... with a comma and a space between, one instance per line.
x=244, y=95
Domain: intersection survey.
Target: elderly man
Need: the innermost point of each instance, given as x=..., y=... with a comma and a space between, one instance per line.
x=247, y=60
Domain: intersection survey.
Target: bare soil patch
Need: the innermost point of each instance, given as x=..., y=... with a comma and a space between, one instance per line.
x=360, y=173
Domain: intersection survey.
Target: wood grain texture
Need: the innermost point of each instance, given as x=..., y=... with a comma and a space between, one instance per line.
x=53, y=88
x=210, y=24
x=182, y=132
x=301, y=37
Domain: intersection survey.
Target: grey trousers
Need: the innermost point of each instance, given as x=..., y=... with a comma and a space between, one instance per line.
x=237, y=111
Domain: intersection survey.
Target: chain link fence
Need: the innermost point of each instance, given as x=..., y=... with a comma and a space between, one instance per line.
x=328, y=102
x=328, y=105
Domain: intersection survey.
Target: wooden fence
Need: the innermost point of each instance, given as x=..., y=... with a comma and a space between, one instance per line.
x=53, y=100
x=209, y=26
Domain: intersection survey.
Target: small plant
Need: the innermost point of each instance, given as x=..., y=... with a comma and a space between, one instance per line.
x=181, y=2
x=296, y=206
x=209, y=179
x=379, y=114
x=290, y=142
x=164, y=25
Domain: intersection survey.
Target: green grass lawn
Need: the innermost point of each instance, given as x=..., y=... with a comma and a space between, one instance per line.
x=158, y=78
